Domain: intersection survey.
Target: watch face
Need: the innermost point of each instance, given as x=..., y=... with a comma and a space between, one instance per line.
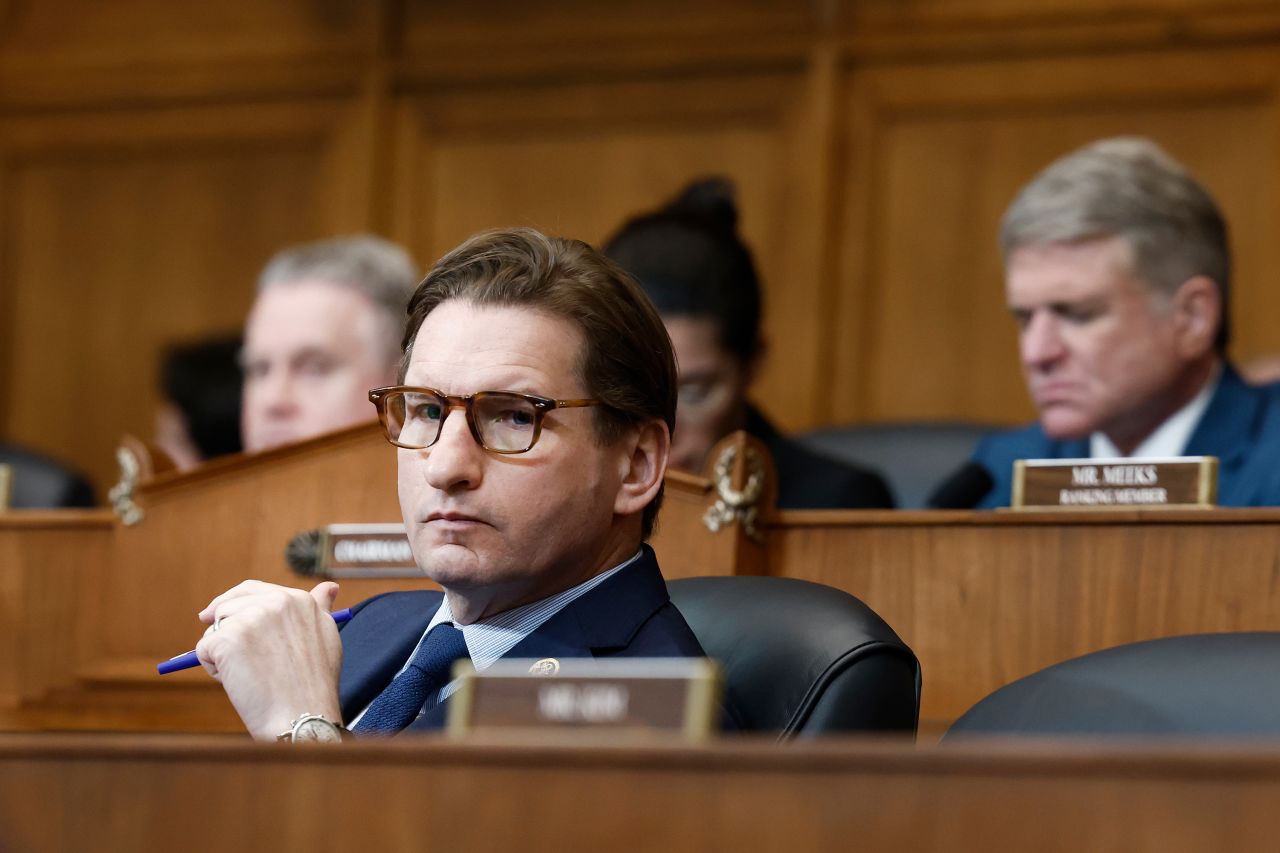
x=316, y=730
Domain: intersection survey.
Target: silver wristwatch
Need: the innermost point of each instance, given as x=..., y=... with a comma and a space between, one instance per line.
x=313, y=728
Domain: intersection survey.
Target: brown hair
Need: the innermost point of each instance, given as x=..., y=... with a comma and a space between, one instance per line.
x=627, y=361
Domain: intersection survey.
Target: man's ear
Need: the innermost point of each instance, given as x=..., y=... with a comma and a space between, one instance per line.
x=1197, y=308
x=643, y=467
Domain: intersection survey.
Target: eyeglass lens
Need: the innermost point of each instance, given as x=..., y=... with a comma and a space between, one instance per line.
x=504, y=422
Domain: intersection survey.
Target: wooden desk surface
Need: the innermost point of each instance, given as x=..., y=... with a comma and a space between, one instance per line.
x=150, y=793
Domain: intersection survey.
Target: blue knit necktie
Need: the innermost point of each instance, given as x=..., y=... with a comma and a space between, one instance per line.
x=429, y=669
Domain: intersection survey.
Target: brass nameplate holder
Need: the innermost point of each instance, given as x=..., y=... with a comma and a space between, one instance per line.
x=1184, y=482
x=633, y=696
x=6, y=484
x=353, y=551
x=356, y=550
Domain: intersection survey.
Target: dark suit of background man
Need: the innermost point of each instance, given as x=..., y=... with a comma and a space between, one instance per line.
x=689, y=259
x=529, y=507
x=1117, y=272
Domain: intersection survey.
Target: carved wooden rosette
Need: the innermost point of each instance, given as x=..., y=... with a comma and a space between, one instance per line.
x=745, y=490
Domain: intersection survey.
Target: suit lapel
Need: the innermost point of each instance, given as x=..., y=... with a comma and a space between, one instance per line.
x=377, y=643
x=604, y=619
x=1227, y=427
x=559, y=637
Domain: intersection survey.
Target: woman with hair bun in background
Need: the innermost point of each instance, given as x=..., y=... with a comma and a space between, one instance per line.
x=690, y=261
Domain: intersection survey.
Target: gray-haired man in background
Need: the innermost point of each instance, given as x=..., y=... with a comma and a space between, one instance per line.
x=324, y=329
x=1117, y=271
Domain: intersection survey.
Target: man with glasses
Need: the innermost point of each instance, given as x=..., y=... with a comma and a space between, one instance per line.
x=533, y=426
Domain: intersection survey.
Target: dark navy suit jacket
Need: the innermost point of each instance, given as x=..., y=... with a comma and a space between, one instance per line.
x=628, y=615
x=1241, y=426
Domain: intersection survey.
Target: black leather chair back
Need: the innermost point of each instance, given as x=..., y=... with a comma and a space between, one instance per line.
x=801, y=658
x=39, y=482
x=914, y=457
x=1219, y=685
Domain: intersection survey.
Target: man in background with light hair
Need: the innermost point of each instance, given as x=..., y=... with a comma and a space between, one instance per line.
x=1117, y=272
x=325, y=328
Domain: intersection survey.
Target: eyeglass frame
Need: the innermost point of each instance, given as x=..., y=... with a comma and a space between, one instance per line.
x=466, y=402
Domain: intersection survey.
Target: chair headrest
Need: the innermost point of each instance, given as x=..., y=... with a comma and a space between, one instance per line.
x=1201, y=684
x=783, y=643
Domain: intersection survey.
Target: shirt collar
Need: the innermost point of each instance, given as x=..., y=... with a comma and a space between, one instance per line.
x=1171, y=437
x=491, y=638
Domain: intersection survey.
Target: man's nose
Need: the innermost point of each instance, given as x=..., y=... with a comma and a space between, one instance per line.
x=278, y=393
x=455, y=460
x=1041, y=341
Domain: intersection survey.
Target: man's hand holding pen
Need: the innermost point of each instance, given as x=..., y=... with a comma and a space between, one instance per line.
x=275, y=651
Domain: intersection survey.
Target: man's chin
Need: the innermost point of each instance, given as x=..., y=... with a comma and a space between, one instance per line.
x=1062, y=424
x=456, y=564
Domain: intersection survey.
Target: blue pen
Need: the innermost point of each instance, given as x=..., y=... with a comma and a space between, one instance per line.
x=189, y=659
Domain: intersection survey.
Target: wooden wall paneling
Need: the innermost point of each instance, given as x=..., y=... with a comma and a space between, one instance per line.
x=513, y=41
x=407, y=206
x=980, y=28
x=369, y=163
x=125, y=231
x=946, y=146
x=443, y=23
x=8, y=304
x=577, y=158
x=796, y=374
x=853, y=257
x=140, y=31
x=1010, y=14
x=77, y=51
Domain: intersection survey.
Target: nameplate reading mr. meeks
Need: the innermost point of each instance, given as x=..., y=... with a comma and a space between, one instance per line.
x=1181, y=482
